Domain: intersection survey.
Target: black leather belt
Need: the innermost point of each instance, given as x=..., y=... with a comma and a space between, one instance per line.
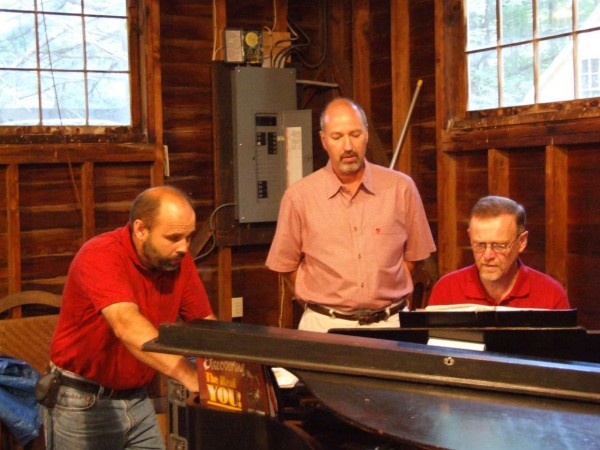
x=96, y=389
x=365, y=318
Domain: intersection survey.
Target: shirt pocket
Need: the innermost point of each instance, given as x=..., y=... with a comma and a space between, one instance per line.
x=389, y=245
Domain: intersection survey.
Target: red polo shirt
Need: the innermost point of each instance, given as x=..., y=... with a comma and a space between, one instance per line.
x=532, y=289
x=107, y=270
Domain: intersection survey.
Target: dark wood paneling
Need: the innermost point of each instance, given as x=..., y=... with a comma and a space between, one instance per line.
x=527, y=186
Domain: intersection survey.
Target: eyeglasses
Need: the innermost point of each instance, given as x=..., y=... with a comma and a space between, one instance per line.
x=480, y=247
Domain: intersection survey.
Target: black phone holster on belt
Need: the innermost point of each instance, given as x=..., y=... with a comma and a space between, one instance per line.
x=46, y=389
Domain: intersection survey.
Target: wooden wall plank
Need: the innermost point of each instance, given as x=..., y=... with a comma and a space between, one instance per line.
x=498, y=172
x=75, y=153
x=447, y=213
x=401, y=77
x=557, y=168
x=225, y=284
x=87, y=201
x=361, y=55
x=13, y=231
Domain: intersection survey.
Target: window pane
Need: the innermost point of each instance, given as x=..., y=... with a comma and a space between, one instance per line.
x=517, y=74
x=483, y=80
x=589, y=58
x=109, y=99
x=554, y=17
x=63, y=35
x=481, y=24
x=63, y=99
x=17, y=41
x=556, y=81
x=105, y=7
x=517, y=20
x=18, y=98
x=62, y=6
x=106, y=43
x=21, y=5
x=67, y=62
x=588, y=14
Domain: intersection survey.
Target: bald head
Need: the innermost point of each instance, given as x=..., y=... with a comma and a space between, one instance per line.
x=341, y=103
x=147, y=205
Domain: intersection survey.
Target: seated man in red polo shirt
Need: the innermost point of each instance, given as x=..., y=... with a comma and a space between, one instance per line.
x=498, y=277
x=121, y=285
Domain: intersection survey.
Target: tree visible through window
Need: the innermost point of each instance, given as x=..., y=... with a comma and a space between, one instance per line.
x=531, y=51
x=64, y=62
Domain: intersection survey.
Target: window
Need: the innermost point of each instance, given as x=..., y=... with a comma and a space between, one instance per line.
x=590, y=77
x=522, y=52
x=64, y=63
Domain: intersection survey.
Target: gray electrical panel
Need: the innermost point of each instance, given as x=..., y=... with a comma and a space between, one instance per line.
x=264, y=112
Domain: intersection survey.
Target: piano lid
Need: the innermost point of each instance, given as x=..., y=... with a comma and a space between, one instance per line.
x=377, y=358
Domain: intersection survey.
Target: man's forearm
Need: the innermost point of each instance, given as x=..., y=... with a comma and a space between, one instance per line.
x=134, y=330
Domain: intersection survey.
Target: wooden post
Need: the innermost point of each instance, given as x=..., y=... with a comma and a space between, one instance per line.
x=401, y=78
x=88, y=203
x=224, y=283
x=498, y=172
x=447, y=214
x=361, y=54
x=219, y=23
x=557, y=168
x=150, y=54
x=13, y=233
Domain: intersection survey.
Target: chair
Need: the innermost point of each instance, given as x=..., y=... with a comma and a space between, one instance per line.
x=27, y=338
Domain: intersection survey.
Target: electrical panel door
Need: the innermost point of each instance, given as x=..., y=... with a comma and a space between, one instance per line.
x=260, y=96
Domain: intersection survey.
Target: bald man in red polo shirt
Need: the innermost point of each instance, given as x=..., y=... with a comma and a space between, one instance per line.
x=121, y=285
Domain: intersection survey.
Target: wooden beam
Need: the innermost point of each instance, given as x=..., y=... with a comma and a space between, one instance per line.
x=13, y=232
x=282, y=12
x=224, y=284
x=498, y=172
x=154, y=88
x=219, y=24
x=401, y=77
x=88, y=202
x=450, y=88
x=76, y=153
x=447, y=250
x=361, y=54
x=557, y=209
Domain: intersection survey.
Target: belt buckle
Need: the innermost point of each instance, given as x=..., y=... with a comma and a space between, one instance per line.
x=378, y=316
x=367, y=319
x=105, y=392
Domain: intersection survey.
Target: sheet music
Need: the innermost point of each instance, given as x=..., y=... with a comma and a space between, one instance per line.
x=470, y=307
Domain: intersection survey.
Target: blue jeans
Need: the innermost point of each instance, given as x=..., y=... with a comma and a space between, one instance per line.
x=83, y=421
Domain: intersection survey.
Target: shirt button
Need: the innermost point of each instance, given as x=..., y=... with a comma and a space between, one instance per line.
x=359, y=256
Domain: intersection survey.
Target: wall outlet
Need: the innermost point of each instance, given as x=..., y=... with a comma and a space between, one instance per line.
x=237, y=307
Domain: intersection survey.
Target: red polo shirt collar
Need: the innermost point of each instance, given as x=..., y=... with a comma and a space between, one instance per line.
x=474, y=288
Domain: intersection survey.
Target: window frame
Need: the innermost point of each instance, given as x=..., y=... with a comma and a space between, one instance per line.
x=463, y=119
x=135, y=132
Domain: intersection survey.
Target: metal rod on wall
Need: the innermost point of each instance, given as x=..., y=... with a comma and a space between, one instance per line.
x=406, y=122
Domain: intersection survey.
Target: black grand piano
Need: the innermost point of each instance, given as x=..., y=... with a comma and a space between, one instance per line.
x=534, y=383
